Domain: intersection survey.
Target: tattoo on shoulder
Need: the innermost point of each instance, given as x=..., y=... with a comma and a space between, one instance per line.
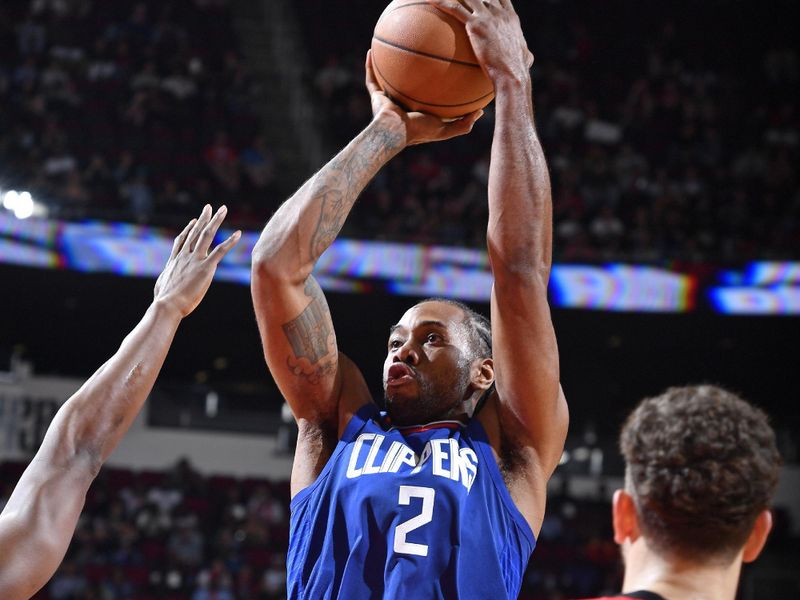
x=309, y=335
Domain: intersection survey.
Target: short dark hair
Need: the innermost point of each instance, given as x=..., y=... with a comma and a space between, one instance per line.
x=480, y=328
x=702, y=464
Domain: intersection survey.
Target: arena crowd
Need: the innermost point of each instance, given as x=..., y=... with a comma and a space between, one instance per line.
x=658, y=151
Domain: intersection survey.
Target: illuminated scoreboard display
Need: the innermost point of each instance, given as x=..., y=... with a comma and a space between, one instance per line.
x=352, y=266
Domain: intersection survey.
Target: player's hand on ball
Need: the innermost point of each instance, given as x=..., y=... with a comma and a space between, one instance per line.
x=418, y=127
x=191, y=267
x=495, y=33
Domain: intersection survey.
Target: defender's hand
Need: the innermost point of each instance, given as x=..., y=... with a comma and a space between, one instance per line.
x=496, y=35
x=190, y=268
x=417, y=127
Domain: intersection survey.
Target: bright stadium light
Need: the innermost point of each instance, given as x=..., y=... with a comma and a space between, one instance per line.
x=24, y=207
x=10, y=199
x=20, y=203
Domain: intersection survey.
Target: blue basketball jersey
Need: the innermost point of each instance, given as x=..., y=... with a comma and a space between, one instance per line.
x=420, y=512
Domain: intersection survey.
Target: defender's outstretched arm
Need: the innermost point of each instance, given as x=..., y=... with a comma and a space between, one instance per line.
x=39, y=519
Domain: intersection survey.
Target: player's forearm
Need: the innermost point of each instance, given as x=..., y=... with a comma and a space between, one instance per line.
x=520, y=206
x=308, y=223
x=91, y=423
x=49, y=497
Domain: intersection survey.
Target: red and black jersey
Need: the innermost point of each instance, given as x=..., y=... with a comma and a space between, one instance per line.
x=640, y=595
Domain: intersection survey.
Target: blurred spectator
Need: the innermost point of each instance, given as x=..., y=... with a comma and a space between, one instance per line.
x=185, y=545
x=67, y=583
x=222, y=159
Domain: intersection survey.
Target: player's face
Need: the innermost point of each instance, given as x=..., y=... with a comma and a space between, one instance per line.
x=426, y=375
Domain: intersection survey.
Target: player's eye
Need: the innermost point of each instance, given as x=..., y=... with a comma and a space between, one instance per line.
x=433, y=338
x=395, y=344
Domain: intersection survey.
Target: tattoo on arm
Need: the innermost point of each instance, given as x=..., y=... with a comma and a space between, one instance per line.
x=309, y=335
x=333, y=211
x=341, y=183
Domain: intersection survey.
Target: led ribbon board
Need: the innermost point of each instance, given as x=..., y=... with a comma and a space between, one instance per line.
x=759, y=288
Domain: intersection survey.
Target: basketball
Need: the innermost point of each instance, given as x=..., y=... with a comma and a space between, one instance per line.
x=423, y=60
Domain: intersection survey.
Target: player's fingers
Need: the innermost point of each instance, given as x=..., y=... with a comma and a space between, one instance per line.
x=468, y=120
x=209, y=231
x=454, y=8
x=179, y=241
x=191, y=240
x=463, y=125
x=473, y=6
x=218, y=253
x=370, y=80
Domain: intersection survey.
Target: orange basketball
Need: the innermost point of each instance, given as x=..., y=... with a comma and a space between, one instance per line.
x=423, y=60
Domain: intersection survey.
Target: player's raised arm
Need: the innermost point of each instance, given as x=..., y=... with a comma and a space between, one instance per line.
x=292, y=313
x=39, y=519
x=531, y=408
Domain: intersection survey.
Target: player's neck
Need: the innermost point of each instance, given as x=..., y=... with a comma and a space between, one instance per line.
x=679, y=579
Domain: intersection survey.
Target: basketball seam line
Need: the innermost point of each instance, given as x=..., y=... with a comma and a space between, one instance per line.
x=386, y=81
x=423, y=3
x=429, y=55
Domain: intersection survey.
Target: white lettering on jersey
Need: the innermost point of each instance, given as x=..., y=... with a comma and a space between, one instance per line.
x=446, y=457
x=439, y=456
x=405, y=456
x=352, y=471
x=388, y=460
x=426, y=454
x=370, y=468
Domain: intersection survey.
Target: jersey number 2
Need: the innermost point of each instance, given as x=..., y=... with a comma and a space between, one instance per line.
x=401, y=546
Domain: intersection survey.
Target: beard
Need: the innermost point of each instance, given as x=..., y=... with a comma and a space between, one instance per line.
x=433, y=399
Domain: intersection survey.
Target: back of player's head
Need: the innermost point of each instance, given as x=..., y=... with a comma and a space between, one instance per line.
x=701, y=466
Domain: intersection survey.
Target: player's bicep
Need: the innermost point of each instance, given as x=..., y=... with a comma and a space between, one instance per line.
x=527, y=368
x=299, y=345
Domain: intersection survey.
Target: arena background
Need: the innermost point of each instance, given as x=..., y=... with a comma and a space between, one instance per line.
x=672, y=135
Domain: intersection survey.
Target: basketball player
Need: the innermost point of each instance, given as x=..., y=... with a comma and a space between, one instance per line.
x=701, y=470
x=441, y=497
x=39, y=519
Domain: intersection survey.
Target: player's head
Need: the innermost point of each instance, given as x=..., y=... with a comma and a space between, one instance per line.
x=439, y=362
x=701, y=470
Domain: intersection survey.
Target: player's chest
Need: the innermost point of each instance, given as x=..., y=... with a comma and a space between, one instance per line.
x=376, y=459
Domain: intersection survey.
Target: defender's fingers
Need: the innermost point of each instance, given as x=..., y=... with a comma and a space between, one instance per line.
x=179, y=241
x=455, y=8
x=218, y=253
x=210, y=230
x=191, y=241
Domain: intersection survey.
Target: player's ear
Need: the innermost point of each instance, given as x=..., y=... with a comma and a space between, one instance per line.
x=483, y=373
x=624, y=517
x=758, y=536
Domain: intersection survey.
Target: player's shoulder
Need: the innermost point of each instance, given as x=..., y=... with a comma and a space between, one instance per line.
x=354, y=393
